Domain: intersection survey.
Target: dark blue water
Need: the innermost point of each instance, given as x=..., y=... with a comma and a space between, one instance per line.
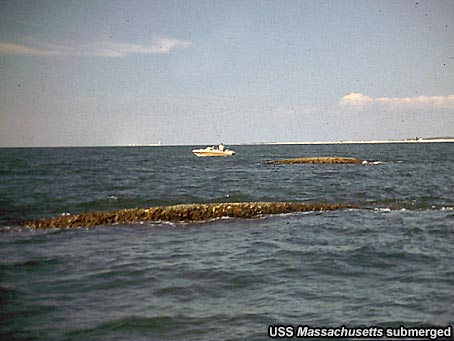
x=389, y=263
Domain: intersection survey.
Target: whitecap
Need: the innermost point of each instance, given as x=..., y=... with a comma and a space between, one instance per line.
x=365, y=162
x=382, y=209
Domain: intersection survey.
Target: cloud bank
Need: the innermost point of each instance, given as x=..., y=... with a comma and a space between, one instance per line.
x=104, y=49
x=359, y=101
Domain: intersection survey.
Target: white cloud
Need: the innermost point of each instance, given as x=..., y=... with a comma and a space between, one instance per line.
x=101, y=49
x=355, y=100
x=16, y=49
x=358, y=101
x=163, y=45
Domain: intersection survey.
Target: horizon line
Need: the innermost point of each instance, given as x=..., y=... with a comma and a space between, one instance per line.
x=408, y=140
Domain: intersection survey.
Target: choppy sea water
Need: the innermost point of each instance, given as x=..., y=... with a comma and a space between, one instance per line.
x=387, y=264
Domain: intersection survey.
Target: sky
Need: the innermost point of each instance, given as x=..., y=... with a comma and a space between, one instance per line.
x=107, y=72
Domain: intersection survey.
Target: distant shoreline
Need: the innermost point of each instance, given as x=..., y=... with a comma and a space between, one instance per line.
x=413, y=140
x=420, y=140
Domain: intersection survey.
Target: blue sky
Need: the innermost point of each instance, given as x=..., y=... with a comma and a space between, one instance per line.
x=87, y=73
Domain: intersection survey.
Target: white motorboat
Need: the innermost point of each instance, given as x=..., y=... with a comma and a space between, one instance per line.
x=211, y=151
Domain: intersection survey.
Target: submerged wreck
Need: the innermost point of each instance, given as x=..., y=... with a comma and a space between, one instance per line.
x=180, y=213
x=319, y=160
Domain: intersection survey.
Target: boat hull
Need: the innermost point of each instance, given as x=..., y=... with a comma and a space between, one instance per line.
x=205, y=152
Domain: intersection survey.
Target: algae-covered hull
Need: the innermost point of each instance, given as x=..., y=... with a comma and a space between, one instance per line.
x=319, y=160
x=180, y=213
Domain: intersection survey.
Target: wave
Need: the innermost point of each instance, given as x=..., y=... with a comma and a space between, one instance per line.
x=129, y=327
x=420, y=203
x=34, y=264
x=8, y=295
x=176, y=327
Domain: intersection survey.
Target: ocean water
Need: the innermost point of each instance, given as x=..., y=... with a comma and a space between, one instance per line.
x=387, y=264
